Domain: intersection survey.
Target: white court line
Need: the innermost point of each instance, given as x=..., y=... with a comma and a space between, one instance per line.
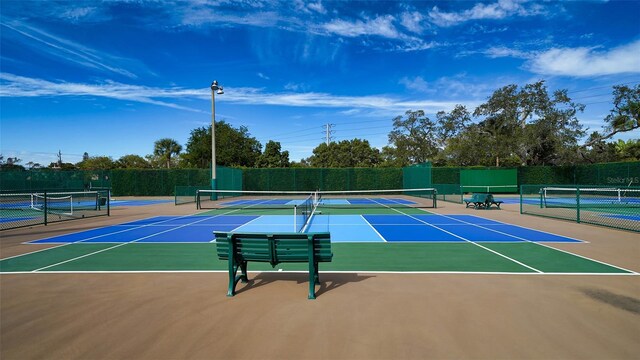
x=37, y=251
x=471, y=242
x=324, y=272
x=539, y=243
x=373, y=228
x=240, y=226
x=115, y=232
x=118, y=245
x=75, y=242
x=524, y=227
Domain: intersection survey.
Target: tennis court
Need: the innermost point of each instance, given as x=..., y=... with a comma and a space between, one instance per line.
x=370, y=233
x=402, y=271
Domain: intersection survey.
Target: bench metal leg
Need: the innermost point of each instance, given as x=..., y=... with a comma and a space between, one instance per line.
x=233, y=268
x=243, y=272
x=313, y=277
x=313, y=268
x=233, y=278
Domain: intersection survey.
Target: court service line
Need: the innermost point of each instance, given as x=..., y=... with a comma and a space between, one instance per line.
x=471, y=242
x=537, y=243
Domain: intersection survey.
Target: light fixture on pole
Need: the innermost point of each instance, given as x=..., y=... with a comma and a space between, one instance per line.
x=215, y=88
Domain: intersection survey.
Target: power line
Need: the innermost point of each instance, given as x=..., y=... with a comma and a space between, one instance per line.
x=279, y=136
x=601, y=87
x=368, y=127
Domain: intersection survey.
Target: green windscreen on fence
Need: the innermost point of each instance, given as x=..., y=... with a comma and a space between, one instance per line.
x=417, y=176
x=163, y=182
x=489, y=180
x=53, y=179
x=226, y=179
x=609, y=174
x=310, y=179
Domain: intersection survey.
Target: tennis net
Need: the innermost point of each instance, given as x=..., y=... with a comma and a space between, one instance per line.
x=236, y=199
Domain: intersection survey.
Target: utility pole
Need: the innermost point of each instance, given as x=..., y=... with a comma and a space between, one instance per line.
x=328, y=133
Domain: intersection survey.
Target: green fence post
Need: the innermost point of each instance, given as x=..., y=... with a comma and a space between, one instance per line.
x=541, y=192
x=521, y=199
x=45, y=208
x=578, y=205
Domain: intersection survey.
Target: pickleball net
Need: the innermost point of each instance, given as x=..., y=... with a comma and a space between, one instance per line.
x=303, y=213
x=353, y=199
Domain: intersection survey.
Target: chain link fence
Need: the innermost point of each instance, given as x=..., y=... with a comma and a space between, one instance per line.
x=615, y=207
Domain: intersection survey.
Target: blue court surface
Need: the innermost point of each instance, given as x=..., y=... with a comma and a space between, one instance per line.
x=343, y=228
x=138, y=202
x=623, y=217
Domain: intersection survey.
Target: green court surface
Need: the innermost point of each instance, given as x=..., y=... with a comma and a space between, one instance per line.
x=516, y=258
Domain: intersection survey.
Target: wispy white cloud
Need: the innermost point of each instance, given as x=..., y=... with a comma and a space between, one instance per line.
x=460, y=86
x=19, y=86
x=584, y=61
x=309, y=7
x=65, y=50
x=416, y=84
x=413, y=21
x=78, y=13
x=503, y=51
x=380, y=26
x=481, y=11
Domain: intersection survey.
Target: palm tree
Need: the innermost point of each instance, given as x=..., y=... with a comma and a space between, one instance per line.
x=165, y=148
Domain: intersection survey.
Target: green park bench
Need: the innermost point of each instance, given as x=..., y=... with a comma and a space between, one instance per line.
x=482, y=201
x=276, y=248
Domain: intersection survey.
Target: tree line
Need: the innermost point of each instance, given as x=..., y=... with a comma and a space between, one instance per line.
x=515, y=126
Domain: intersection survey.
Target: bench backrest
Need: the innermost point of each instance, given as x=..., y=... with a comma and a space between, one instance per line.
x=274, y=248
x=479, y=197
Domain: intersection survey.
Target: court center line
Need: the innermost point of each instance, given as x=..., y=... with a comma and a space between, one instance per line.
x=373, y=228
x=239, y=226
x=466, y=240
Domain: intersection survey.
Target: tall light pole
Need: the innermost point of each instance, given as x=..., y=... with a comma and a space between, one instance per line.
x=215, y=88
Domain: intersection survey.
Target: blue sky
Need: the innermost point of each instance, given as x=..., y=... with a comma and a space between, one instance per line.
x=110, y=78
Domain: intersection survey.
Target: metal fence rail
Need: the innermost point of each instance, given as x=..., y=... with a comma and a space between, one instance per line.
x=21, y=209
x=615, y=207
